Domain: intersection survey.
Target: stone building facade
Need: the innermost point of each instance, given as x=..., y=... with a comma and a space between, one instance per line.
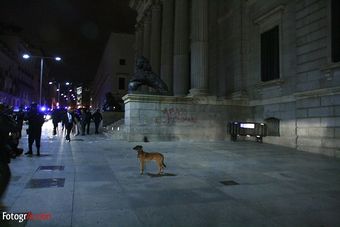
x=273, y=61
x=18, y=78
x=115, y=68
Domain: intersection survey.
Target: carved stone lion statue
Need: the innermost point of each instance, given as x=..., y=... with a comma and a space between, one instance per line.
x=145, y=76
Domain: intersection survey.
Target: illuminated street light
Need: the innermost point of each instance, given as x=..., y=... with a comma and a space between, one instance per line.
x=58, y=89
x=26, y=56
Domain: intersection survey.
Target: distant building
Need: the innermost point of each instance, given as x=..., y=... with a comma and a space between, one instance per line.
x=18, y=78
x=115, y=68
x=84, y=97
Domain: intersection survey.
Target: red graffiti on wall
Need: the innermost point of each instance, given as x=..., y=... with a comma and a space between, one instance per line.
x=173, y=115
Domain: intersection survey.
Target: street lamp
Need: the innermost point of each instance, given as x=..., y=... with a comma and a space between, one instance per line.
x=26, y=56
x=65, y=92
x=57, y=90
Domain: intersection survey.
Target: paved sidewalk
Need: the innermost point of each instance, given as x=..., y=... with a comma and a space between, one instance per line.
x=99, y=185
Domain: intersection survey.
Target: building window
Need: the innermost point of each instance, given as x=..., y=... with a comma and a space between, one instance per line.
x=335, y=17
x=121, y=83
x=270, y=59
x=273, y=126
x=122, y=61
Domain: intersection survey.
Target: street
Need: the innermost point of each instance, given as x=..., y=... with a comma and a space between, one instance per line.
x=94, y=181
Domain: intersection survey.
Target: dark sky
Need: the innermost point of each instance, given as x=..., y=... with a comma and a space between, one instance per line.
x=76, y=30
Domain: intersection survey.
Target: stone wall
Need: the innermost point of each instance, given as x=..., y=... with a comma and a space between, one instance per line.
x=306, y=96
x=318, y=124
x=161, y=118
x=285, y=112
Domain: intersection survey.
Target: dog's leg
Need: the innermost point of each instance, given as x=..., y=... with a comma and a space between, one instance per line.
x=141, y=167
x=160, y=167
x=161, y=164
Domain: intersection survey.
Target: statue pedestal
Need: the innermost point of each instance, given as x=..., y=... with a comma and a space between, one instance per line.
x=167, y=118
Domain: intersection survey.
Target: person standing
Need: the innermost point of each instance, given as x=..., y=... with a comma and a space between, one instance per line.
x=88, y=117
x=97, y=118
x=7, y=125
x=82, y=121
x=69, y=121
x=77, y=122
x=63, y=117
x=55, y=120
x=19, y=118
x=35, y=122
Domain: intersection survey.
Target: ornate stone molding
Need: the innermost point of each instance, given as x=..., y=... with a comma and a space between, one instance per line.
x=275, y=12
x=318, y=92
x=202, y=100
x=271, y=83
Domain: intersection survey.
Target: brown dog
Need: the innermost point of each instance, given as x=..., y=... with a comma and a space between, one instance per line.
x=145, y=156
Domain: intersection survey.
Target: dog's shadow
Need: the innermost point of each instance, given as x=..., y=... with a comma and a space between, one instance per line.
x=161, y=175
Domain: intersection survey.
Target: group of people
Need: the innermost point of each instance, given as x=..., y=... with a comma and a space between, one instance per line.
x=11, y=124
x=78, y=120
x=10, y=133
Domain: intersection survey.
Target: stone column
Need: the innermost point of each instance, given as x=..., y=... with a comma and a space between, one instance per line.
x=181, y=48
x=167, y=51
x=139, y=39
x=199, y=48
x=146, y=35
x=155, y=51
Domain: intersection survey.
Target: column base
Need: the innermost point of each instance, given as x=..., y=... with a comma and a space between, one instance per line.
x=198, y=92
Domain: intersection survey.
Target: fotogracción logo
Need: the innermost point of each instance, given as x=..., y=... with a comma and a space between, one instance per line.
x=20, y=217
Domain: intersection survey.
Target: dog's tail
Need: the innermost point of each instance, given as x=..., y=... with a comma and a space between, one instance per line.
x=163, y=164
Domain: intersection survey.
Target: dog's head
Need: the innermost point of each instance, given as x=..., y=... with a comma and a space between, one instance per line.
x=138, y=148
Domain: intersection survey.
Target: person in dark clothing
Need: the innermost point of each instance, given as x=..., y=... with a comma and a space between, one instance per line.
x=8, y=125
x=63, y=119
x=97, y=118
x=82, y=121
x=69, y=122
x=77, y=122
x=35, y=121
x=19, y=118
x=88, y=117
x=55, y=120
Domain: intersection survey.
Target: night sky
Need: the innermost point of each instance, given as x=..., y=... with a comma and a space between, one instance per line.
x=76, y=30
